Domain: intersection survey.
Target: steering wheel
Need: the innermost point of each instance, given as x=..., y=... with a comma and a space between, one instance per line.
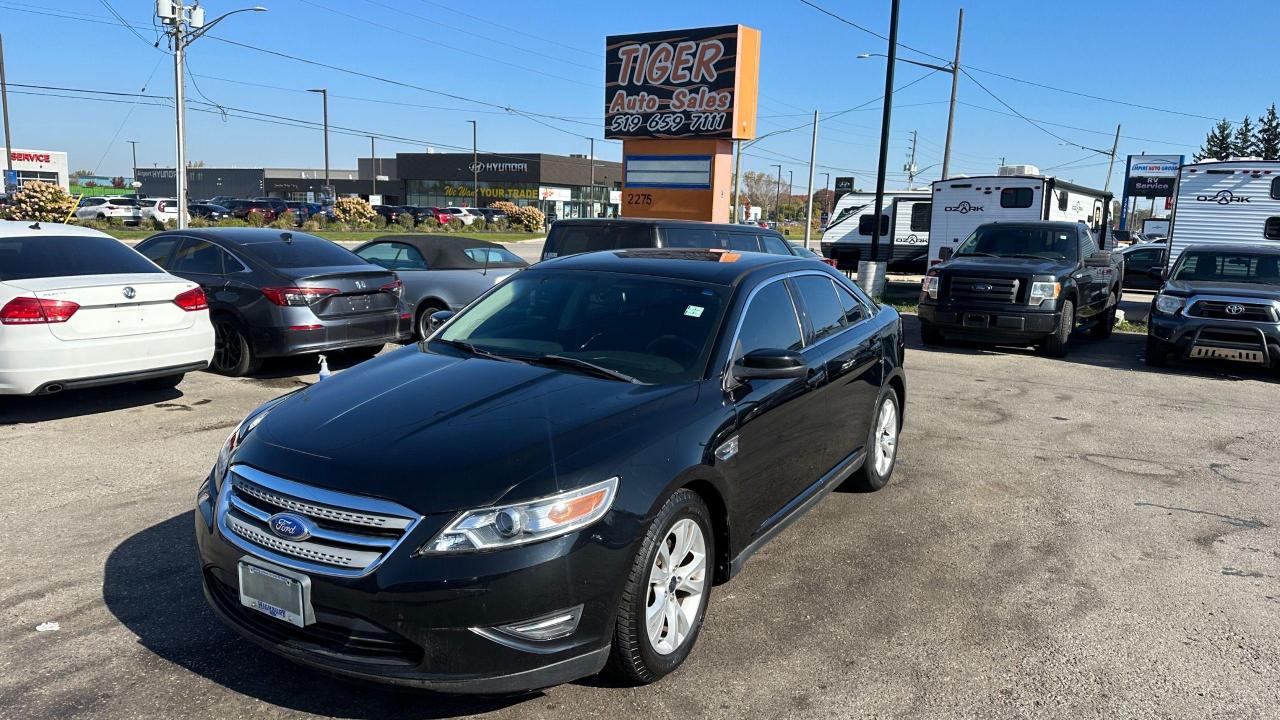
x=652, y=347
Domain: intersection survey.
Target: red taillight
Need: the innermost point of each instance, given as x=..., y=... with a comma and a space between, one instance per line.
x=31, y=311
x=297, y=296
x=394, y=287
x=192, y=300
x=829, y=261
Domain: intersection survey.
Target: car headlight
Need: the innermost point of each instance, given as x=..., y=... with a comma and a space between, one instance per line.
x=929, y=287
x=1169, y=304
x=521, y=523
x=237, y=436
x=1044, y=291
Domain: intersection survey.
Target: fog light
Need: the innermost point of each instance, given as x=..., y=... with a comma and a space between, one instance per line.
x=543, y=628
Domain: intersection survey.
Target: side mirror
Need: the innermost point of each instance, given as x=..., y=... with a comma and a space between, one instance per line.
x=770, y=364
x=1156, y=273
x=1102, y=258
x=439, y=318
x=944, y=254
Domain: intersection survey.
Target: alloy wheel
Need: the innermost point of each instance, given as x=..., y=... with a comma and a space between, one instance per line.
x=677, y=581
x=886, y=438
x=227, y=352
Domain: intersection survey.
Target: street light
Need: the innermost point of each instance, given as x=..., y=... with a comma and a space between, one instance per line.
x=188, y=25
x=475, y=168
x=954, y=69
x=777, y=198
x=324, y=96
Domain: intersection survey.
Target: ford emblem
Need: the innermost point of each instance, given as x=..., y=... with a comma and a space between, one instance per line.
x=290, y=526
x=982, y=287
x=1234, y=309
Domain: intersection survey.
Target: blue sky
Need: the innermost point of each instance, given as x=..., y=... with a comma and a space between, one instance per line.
x=548, y=58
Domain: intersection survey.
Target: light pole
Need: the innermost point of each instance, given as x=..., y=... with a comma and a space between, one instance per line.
x=373, y=168
x=791, y=183
x=186, y=26
x=8, y=139
x=475, y=168
x=777, y=199
x=808, y=204
x=324, y=97
x=954, y=70
x=134, y=144
x=826, y=186
x=592, y=157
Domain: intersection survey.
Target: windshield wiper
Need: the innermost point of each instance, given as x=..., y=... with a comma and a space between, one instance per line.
x=584, y=365
x=478, y=352
x=975, y=254
x=1032, y=257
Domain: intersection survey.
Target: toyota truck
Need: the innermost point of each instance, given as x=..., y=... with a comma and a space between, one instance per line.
x=1022, y=283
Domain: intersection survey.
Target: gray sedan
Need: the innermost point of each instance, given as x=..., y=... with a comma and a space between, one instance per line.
x=441, y=272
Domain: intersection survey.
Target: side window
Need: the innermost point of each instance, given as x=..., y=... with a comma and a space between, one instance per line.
x=1271, y=230
x=770, y=322
x=867, y=225
x=821, y=304
x=159, y=250
x=1087, y=244
x=1141, y=259
x=740, y=242
x=1275, y=189
x=1016, y=198
x=921, y=216
x=775, y=245
x=197, y=256
x=688, y=237
x=394, y=256
x=854, y=310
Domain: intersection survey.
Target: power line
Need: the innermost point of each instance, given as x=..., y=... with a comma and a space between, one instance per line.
x=1035, y=124
x=126, y=24
x=1108, y=133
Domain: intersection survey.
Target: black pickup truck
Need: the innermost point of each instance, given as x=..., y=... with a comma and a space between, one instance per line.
x=1022, y=283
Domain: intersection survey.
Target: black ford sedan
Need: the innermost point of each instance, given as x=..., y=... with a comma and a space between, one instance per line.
x=552, y=481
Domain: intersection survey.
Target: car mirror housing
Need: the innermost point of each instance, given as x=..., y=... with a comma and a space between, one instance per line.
x=439, y=318
x=1102, y=258
x=769, y=364
x=944, y=254
x=1156, y=273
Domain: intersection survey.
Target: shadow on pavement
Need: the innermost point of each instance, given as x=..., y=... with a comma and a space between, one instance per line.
x=76, y=403
x=152, y=585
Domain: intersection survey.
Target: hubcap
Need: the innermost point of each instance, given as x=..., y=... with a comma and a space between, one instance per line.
x=677, y=581
x=886, y=438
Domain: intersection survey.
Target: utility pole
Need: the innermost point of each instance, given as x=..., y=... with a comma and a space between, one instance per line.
x=591, y=156
x=826, y=186
x=808, y=206
x=911, y=161
x=951, y=114
x=1106, y=186
x=373, y=165
x=777, y=198
x=324, y=97
x=737, y=189
x=4, y=101
x=873, y=267
x=134, y=143
x=475, y=168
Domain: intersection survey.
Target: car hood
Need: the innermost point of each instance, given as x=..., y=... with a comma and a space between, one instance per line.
x=1214, y=287
x=1004, y=266
x=438, y=432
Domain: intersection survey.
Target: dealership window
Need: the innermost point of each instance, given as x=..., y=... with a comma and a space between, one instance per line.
x=921, y=214
x=1016, y=197
x=866, y=225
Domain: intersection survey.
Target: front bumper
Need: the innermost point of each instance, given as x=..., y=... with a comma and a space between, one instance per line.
x=410, y=621
x=328, y=335
x=1181, y=333
x=990, y=322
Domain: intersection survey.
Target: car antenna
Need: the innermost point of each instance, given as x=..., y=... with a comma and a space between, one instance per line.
x=486, y=263
x=287, y=237
x=34, y=226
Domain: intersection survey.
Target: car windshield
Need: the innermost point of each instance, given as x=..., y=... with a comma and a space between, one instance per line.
x=302, y=251
x=1050, y=243
x=655, y=330
x=1229, y=267
x=65, y=256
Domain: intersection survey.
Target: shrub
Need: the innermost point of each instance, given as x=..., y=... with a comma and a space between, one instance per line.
x=39, y=201
x=429, y=224
x=479, y=226
x=199, y=222
x=312, y=225
x=353, y=210
x=506, y=207
x=285, y=221
x=455, y=225
x=255, y=218
x=233, y=222
x=405, y=220
x=377, y=223
x=528, y=218
x=502, y=225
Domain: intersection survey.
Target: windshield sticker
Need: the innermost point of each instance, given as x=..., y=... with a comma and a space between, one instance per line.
x=693, y=311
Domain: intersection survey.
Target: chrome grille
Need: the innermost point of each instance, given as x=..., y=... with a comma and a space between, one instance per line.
x=980, y=289
x=1217, y=309
x=352, y=534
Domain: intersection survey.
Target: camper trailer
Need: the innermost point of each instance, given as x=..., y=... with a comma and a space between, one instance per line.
x=904, y=229
x=960, y=205
x=1231, y=201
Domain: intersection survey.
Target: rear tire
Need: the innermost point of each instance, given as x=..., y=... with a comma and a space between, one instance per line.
x=232, y=355
x=420, y=326
x=166, y=382
x=930, y=335
x=1102, y=328
x=678, y=552
x=1058, y=344
x=882, y=446
x=1157, y=353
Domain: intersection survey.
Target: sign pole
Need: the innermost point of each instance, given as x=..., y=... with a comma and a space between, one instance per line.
x=737, y=187
x=873, y=267
x=808, y=206
x=4, y=101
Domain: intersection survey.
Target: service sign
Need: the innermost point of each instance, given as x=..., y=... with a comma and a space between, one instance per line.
x=1151, y=175
x=698, y=83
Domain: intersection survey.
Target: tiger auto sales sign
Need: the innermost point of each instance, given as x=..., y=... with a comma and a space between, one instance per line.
x=698, y=83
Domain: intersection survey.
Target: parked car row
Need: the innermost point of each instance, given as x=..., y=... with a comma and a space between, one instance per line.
x=442, y=215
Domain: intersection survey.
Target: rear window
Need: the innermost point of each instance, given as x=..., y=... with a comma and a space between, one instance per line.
x=63, y=256
x=574, y=239
x=1015, y=198
x=303, y=251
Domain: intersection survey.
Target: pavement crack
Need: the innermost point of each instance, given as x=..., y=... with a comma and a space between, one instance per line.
x=1251, y=523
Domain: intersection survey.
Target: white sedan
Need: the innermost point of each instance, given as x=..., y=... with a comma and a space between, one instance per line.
x=79, y=308
x=109, y=208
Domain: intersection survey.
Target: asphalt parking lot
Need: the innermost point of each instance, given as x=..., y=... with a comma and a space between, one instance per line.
x=1078, y=538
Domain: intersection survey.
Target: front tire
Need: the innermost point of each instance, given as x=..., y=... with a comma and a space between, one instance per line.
x=232, y=354
x=930, y=335
x=882, y=446
x=1157, y=353
x=422, y=327
x=1059, y=343
x=664, y=600
x=1103, y=326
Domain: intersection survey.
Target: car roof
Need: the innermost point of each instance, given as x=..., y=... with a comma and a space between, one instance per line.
x=1252, y=248
x=446, y=252
x=1059, y=224
x=710, y=266
x=27, y=228
x=656, y=222
x=237, y=236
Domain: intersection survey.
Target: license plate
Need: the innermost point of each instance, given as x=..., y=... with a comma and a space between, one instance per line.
x=273, y=593
x=1248, y=356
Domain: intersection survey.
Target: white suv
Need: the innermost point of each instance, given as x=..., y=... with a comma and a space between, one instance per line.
x=460, y=214
x=162, y=209
x=109, y=208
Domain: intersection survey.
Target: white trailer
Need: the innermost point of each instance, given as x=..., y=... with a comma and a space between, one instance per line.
x=1230, y=201
x=904, y=228
x=960, y=205
x=1156, y=227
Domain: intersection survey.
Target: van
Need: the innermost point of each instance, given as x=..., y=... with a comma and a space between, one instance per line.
x=570, y=237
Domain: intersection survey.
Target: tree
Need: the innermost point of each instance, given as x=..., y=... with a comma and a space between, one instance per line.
x=1218, y=144
x=761, y=189
x=1268, y=138
x=823, y=200
x=117, y=182
x=353, y=210
x=82, y=174
x=1243, y=142
x=195, y=163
